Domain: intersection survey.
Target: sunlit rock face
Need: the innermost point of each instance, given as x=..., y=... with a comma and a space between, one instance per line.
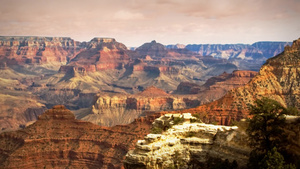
x=37, y=50
x=193, y=143
x=277, y=79
x=58, y=140
x=190, y=142
x=110, y=110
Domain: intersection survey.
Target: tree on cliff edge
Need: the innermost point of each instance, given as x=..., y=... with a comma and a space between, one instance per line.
x=266, y=126
x=266, y=134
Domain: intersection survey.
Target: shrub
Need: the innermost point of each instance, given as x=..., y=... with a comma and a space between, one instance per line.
x=156, y=130
x=190, y=134
x=178, y=120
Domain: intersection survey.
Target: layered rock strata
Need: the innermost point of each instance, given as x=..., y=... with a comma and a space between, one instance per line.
x=58, y=140
x=37, y=50
x=277, y=79
x=193, y=143
x=110, y=110
x=189, y=143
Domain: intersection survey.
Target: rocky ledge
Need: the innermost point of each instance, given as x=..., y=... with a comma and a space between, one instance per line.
x=186, y=143
x=58, y=140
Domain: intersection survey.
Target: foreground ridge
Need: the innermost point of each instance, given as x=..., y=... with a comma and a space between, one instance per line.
x=188, y=142
x=58, y=140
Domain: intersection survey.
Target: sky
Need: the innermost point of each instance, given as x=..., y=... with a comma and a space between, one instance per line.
x=134, y=22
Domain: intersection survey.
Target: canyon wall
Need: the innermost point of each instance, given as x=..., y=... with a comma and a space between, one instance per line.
x=277, y=79
x=193, y=144
x=258, y=50
x=58, y=140
x=37, y=50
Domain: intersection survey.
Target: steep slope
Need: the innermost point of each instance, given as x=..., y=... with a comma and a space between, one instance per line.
x=17, y=105
x=58, y=140
x=193, y=144
x=152, y=49
x=244, y=56
x=278, y=79
x=102, y=54
x=113, y=109
x=188, y=144
x=31, y=50
x=258, y=50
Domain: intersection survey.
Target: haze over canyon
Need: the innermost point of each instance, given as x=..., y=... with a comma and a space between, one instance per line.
x=103, y=82
x=106, y=83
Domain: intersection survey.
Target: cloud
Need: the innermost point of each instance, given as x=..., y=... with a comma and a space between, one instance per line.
x=168, y=21
x=127, y=15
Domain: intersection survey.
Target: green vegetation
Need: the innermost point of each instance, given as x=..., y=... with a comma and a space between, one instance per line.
x=212, y=163
x=217, y=163
x=156, y=130
x=178, y=120
x=265, y=128
x=266, y=135
x=293, y=111
x=273, y=159
x=197, y=120
x=190, y=134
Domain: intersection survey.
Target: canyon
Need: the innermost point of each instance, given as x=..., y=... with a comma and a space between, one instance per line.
x=277, y=79
x=63, y=141
x=60, y=70
x=193, y=144
x=113, y=109
x=245, y=56
x=58, y=140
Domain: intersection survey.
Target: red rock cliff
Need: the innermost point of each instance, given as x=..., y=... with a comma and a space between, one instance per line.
x=21, y=50
x=278, y=79
x=58, y=140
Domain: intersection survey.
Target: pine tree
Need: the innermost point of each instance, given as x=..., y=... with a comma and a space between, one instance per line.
x=265, y=128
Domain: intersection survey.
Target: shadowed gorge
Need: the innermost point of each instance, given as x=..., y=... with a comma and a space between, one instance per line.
x=59, y=70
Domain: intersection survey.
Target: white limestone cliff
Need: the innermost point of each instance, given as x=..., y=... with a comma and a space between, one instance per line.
x=186, y=143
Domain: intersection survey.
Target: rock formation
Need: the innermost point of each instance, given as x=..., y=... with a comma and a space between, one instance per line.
x=257, y=50
x=193, y=144
x=277, y=79
x=244, y=56
x=59, y=70
x=102, y=54
x=114, y=109
x=37, y=50
x=190, y=143
x=58, y=140
x=216, y=87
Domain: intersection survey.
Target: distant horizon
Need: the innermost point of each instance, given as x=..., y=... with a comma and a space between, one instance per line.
x=134, y=22
x=150, y=41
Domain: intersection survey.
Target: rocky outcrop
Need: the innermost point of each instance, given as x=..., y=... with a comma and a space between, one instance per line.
x=37, y=50
x=16, y=111
x=225, y=81
x=58, y=140
x=187, y=144
x=216, y=87
x=278, y=79
x=158, y=69
x=177, y=46
x=102, y=54
x=258, y=50
x=244, y=56
x=110, y=110
x=152, y=49
x=192, y=143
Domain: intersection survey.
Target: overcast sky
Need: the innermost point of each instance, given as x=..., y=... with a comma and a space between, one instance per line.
x=134, y=22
